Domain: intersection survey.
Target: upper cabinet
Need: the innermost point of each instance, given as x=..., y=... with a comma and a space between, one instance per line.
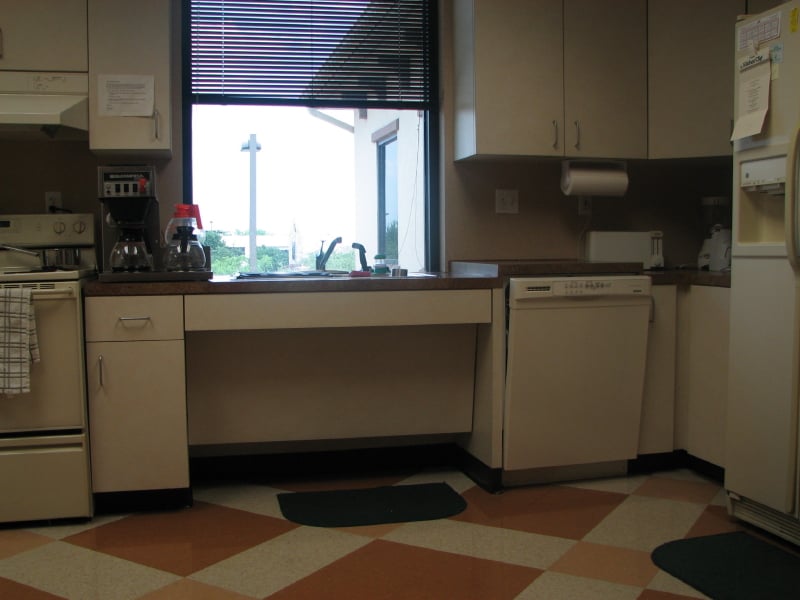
x=690, y=55
x=757, y=6
x=605, y=78
x=129, y=64
x=550, y=78
x=43, y=35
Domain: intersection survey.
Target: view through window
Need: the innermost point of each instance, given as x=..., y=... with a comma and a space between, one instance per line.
x=311, y=121
x=317, y=175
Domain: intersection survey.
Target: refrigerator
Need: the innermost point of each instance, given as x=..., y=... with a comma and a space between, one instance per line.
x=761, y=463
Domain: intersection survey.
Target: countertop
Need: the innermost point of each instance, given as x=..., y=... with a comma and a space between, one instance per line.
x=478, y=274
x=557, y=267
x=230, y=285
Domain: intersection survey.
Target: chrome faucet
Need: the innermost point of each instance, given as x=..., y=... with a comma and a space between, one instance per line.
x=322, y=259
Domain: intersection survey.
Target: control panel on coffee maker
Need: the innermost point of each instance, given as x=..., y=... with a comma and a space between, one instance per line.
x=130, y=221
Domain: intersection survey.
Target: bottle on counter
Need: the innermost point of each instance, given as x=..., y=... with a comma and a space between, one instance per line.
x=380, y=267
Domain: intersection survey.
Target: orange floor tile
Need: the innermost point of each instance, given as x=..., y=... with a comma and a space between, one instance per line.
x=588, y=540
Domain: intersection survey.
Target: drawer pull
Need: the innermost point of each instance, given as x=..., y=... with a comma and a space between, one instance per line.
x=125, y=319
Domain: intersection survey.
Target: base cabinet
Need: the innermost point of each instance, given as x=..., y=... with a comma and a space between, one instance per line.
x=703, y=379
x=137, y=393
x=658, y=402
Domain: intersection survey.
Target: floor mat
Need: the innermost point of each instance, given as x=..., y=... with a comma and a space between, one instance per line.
x=372, y=506
x=732, y=566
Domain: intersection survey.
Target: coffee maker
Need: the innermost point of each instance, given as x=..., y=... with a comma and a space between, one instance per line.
x=130, y=222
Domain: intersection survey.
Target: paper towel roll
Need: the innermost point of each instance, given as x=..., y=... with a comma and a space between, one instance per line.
x=593, y=179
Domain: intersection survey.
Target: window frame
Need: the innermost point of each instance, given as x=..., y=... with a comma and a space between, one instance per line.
x=431, y=131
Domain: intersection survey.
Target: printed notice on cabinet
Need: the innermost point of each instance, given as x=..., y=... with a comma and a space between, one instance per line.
x=125, y=95
x=753, y=95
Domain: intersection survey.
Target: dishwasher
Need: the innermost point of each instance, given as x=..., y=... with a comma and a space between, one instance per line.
x=575, y=369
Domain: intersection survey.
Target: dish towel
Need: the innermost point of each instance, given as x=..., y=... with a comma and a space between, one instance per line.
x=19, y=344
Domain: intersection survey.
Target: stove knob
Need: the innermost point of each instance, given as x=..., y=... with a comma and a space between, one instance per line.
x=79, y=226
x=59, y=227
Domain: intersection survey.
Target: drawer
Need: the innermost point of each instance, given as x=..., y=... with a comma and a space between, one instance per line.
x=134, y=318
x=44, y=477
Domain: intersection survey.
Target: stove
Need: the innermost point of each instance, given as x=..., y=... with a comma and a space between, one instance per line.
x=47, y=247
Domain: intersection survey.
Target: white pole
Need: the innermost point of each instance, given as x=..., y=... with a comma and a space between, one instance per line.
x=252, y=146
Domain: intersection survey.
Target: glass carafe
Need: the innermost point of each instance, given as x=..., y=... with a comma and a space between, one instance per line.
x=130, y=253
x=184, y=252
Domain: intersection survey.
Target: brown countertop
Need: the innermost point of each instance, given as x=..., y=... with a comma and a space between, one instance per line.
x=477, y=274
x=554, y=267
x=691, y=277
x=229, y=285
x=540, y=267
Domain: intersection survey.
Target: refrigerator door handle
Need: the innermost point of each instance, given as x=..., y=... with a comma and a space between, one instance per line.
x=791, y=213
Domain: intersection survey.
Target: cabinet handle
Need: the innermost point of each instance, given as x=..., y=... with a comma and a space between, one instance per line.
x=100, y=368
x=1, y=43
x=577, y=135
x=555, y=134
x=156, y=124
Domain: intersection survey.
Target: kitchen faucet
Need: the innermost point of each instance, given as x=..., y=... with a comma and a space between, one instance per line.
x=322, y=259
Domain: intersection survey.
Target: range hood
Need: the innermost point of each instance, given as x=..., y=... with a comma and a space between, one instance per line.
x=44, y=105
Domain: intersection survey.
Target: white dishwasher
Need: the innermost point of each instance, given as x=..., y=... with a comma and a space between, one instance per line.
x=575, y=369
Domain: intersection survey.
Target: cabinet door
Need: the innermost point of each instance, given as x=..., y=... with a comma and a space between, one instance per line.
x=691, y=82
x=709, y=311
x=129, y=38
x=508, y=65
x=43, y=35
x=605, y=78
x=658, y=402
x=137, y=415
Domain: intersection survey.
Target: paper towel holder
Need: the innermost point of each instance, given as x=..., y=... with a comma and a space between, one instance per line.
x=607, y=177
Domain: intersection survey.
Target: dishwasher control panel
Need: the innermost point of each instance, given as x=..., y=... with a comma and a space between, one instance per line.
x=549, y=287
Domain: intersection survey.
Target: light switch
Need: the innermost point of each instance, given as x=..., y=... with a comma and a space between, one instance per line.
x=506, y=201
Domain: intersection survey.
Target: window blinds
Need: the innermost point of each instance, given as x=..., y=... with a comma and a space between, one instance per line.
x=323, y=53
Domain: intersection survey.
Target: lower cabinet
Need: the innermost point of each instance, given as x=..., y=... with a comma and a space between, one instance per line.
x=707, y=373
x=137, y=393
x=658, y=401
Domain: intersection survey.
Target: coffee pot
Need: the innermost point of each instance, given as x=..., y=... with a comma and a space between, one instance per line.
x=184, y=252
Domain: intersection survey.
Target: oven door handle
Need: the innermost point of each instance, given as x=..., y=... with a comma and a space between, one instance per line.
x=57, y=294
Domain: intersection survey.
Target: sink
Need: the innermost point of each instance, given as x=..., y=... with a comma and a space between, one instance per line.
x=312, y=274
x=290, y=274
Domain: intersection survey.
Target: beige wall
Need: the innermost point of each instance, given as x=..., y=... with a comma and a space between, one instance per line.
x=662, y=195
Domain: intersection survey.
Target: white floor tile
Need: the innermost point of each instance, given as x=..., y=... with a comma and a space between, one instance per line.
x=273, y=565
x=478, y=541
x=80, y=574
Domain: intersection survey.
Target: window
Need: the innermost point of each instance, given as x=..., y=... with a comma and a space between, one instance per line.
x=312, y=82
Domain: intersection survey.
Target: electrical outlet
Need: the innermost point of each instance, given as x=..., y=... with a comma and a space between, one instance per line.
x=506, y=201
x=52, y=200
x=584, y=206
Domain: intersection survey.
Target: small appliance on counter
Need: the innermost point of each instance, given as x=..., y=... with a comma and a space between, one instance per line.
x=131, y=233
x=646, y=247
x=715, y=252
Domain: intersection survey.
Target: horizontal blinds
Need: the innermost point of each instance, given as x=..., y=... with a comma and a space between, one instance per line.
x=355, y=53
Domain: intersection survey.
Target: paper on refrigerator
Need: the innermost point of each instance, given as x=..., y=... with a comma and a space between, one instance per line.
x=753, y=94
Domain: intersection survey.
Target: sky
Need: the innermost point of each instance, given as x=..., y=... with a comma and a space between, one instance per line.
x=304, y=172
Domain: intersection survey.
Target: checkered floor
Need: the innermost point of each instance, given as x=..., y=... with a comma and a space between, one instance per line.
x=588, y=540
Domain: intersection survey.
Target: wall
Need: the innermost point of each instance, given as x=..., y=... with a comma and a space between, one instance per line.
x=662, y=195
x=30, y=168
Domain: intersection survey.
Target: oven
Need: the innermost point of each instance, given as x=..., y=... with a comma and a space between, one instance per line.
x=44, y=454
